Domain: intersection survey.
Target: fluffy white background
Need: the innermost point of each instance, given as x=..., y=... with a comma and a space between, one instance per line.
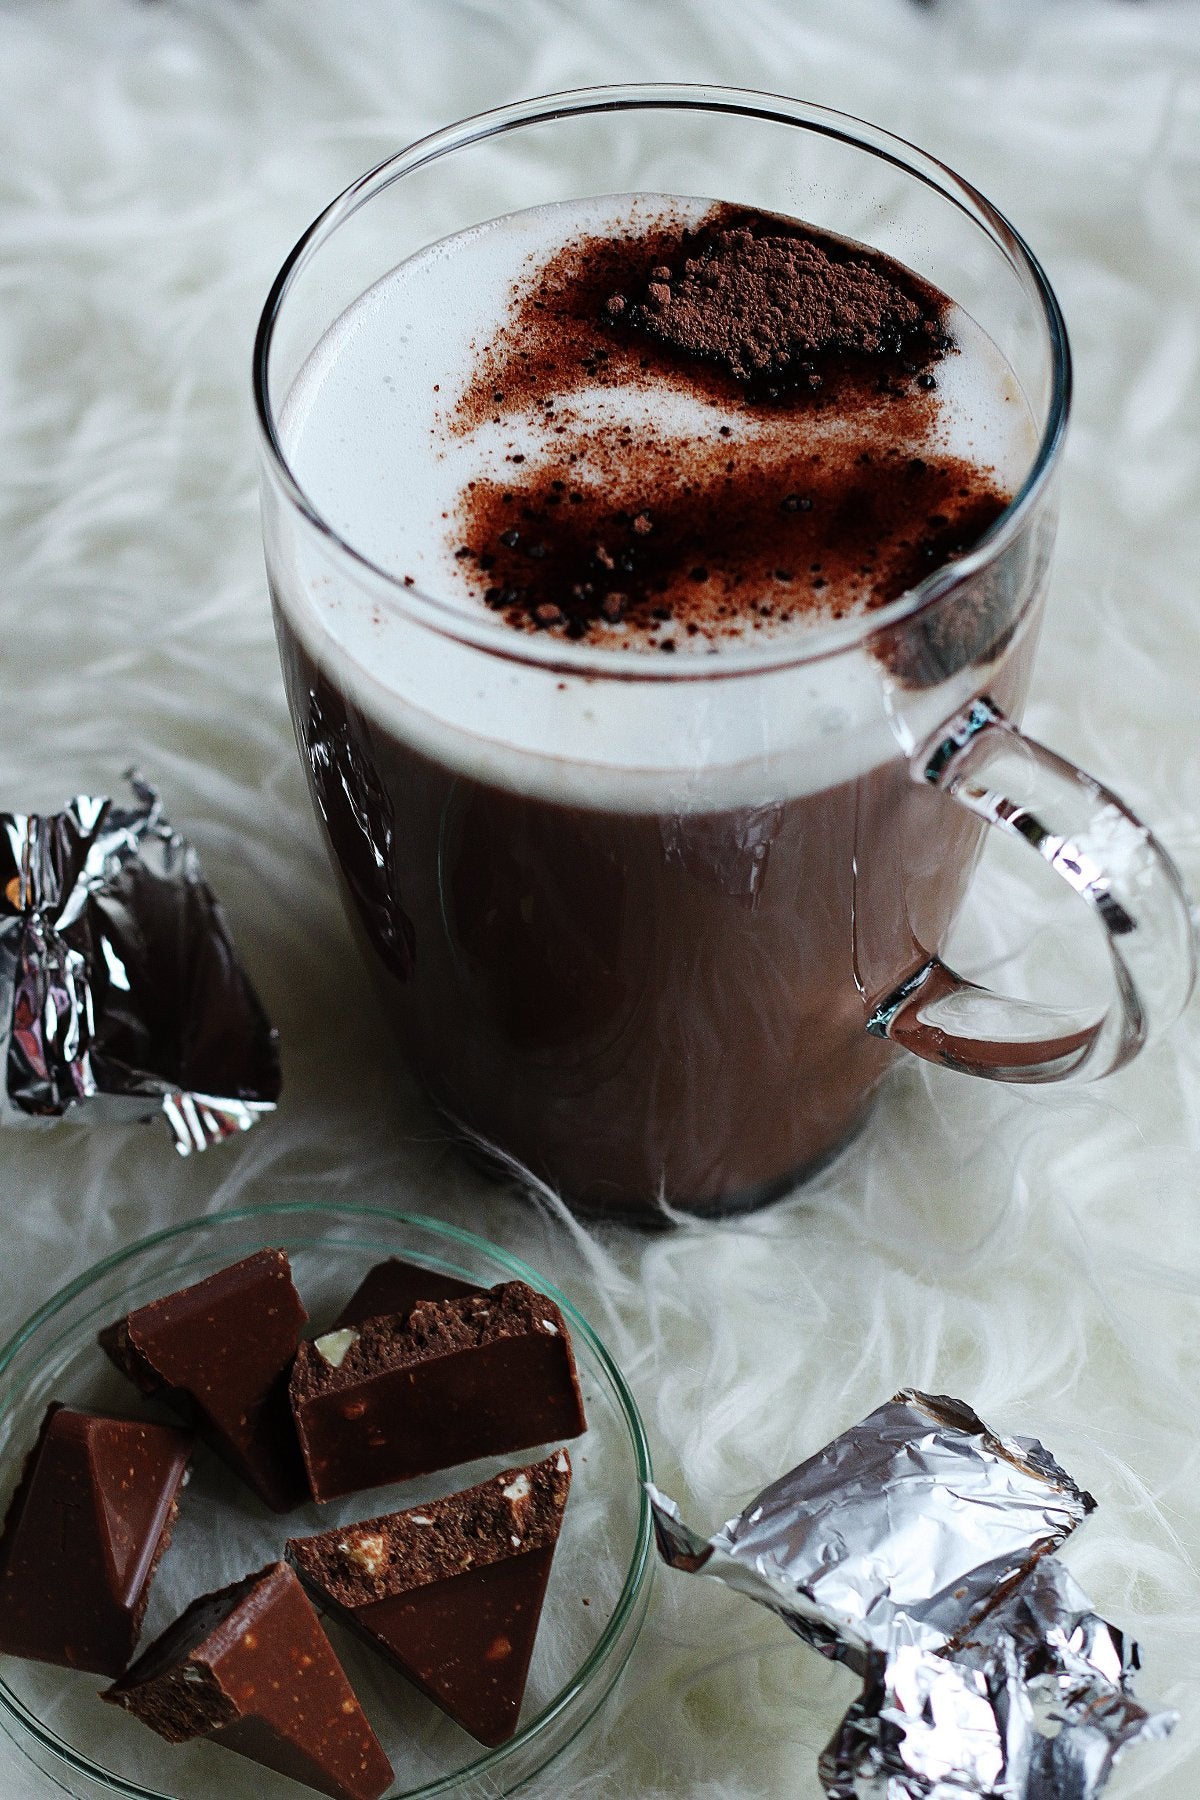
x=1037, y=1254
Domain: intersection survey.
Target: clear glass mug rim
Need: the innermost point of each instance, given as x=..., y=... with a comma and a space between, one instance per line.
x=495, y=639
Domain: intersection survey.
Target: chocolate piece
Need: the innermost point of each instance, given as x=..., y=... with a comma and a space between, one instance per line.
x=451, y=1591
x=395, y=1287
x=251, y=1668
x=219, y=1352
x=479, y=1375
x=86, y=1529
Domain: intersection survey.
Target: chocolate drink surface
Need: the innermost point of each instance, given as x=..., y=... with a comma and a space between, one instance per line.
x=631, y=928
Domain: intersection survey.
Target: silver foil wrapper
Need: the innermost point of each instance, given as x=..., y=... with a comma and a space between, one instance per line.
x=121, y=995
x=916, y=1548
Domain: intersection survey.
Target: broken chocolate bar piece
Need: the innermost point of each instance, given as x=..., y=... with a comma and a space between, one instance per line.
x=479, y=1375
x=395, y=1287
x=86, y=1529
x=451, y=1591
x=251, y=1668
x=219, y=1353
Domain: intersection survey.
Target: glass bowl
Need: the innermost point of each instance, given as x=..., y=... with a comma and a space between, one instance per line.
x=599, y=1584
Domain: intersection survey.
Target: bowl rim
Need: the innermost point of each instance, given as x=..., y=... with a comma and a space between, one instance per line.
x=640, y=1567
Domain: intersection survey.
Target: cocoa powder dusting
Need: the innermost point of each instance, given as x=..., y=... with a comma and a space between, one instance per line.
x=799, y=531
x=819, y=487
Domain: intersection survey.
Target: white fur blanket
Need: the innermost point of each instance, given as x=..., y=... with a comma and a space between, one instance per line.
x=1038, y=1254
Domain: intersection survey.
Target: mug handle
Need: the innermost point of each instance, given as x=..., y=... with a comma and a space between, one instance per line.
x=1111, y=860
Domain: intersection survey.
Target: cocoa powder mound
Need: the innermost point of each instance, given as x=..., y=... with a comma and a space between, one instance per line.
x=762, y=303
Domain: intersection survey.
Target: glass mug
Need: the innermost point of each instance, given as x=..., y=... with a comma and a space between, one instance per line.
x=654, y=928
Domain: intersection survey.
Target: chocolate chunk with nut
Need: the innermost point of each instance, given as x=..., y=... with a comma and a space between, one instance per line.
x=86, y=1530
x=450, y=1592
x=219, y=1353
x=251, y=1668
x=478, y=1375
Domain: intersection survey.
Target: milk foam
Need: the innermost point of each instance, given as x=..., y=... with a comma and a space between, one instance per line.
x=369, y=432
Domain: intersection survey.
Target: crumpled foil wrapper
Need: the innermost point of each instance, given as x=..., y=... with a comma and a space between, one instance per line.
x=916, y=1548
x=121, y=994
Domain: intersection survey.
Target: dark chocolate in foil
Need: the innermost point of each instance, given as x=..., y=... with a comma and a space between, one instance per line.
x=121, y=994
x=917, y=1549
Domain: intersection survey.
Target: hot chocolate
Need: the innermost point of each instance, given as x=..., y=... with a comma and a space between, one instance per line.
x=633, y=910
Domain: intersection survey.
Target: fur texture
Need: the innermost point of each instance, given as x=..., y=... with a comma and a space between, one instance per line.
x=1035, y=1252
